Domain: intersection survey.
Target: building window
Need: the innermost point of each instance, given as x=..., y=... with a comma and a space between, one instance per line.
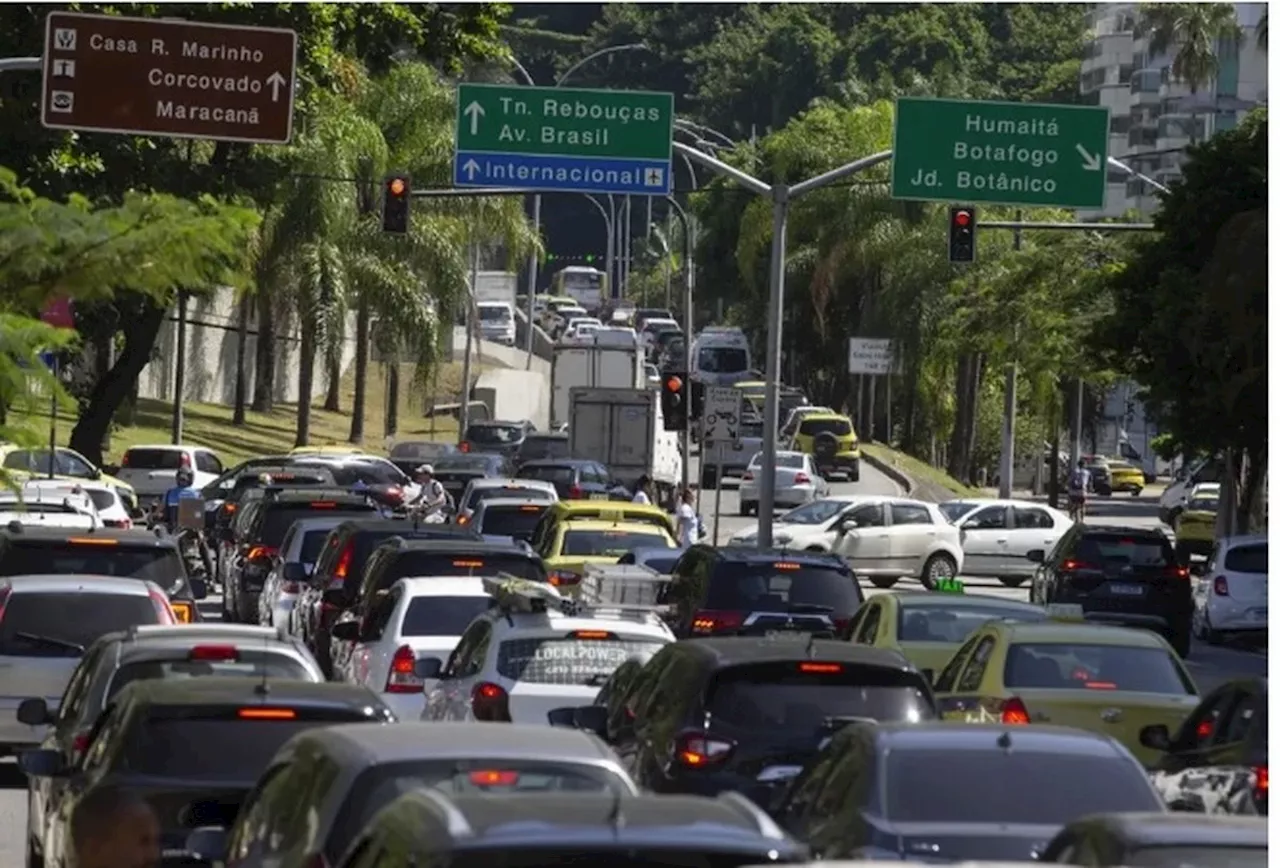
x=1119, y=125
x=1126, y=73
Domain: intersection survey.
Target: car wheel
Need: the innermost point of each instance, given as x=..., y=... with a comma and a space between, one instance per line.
x=939, y=566
x=745, y=507
x=854, y=473
x=1012, y=581
x=1207, y=633
x=1136, y=492
x=884, y=583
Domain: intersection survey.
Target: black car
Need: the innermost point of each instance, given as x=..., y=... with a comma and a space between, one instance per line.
x=135, y=554
x=575, y=478
x=503, y=438
x=259, y=529
x=1119, y=575
x=456, y=471
x=743, y=591
x=541, y=446
x=709, y=715
x=340, y=567
x=409, y=455
x=372, y=474
x=193, y=748
x=223, y=496
x=938, y=792
x=1216, y=762
x=1106, y=840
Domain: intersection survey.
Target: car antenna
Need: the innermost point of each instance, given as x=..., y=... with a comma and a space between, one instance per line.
x=263, y=689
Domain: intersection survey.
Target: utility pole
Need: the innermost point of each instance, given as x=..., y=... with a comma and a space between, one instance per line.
x=179, y=368
x=464, y=414
x=1010, y=397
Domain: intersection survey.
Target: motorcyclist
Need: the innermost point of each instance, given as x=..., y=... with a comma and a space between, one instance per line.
x=184, y=481
x=431, y=494
x=1078, y=487
x=184, y=488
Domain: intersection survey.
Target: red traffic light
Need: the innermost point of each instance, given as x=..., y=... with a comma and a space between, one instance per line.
x=396, y=186
x=674, y=384
x=963, y=218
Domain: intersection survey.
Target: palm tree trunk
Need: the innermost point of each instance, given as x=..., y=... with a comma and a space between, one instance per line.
x=264, y=376
x=363, y=321
x=242, y=339
x=393, y=397
x=306, y=378
x=956, y=454
x=333, y=365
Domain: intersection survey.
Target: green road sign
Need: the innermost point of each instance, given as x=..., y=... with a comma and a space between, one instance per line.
x=1002, y=152
x=564, y=121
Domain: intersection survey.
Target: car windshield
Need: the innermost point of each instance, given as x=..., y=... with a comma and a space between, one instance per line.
x=813, y=427
x=954, y=510
x=417, y=562
x=1133, y=551
x=570, y=660
x=489, y=492
x=793, y=460
x=556, y=474
x=1071, y=666
x=1203, y=504
x=152, y=459
x=514, y=521
x=615, y=543
x=50, y=624
x=544, y=446
x=158, y=564
x=796, y=697
x=278, y=518
x=1197, y=857
x=996, y=786
x=1250, y=559
x=496, y=435
x=442, y=616
x=818, y=512
x=953, y=624
x=422, y=449
x=723, y=360
x=37, y=461
x=464, y=464
x=494, y=312
x=248, y=664
x=763, y=586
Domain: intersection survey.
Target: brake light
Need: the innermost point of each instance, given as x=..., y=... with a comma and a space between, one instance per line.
x=802, y=479
x=591, y=634
x=1099, y=685
x=257, y=553
x=1261, y=783
x=400, y=678
x=164, y=614
x=1220, y=587
x=214, y=652
x=91, y=541
x=464, y=446
x=786, y=565
x=470, y=565
x=395, y=493
x=1205, y=728
x=267, y=714
x=489, y=778
x=561, y=578
x=697, y=750
x=463, y=519
x=344, y=560
x=748, y=476
x=711, y=621
x=575, y=492
x=489, y=703
x=80, y=742
x=1071, y=564
x=821, y=668
x=1176, y=572
x=323, y=504
x=229, y=508
x=1014, y=712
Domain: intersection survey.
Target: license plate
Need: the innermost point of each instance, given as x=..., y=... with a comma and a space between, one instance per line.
x=1127, y=590
x=599, y=495
x=773, y=634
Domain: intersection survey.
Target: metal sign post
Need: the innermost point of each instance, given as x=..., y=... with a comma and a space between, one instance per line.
x=720, y=428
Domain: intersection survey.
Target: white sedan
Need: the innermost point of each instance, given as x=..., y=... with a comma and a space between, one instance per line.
x=997, y=534
x=892, y=538
x=796, y=481
x=812, y=528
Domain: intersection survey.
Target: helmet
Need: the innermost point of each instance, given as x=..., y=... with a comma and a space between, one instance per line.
x=424, y=470
x=184, y=476
x=1080, y=463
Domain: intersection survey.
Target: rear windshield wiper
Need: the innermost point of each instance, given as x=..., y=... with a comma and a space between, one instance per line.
x=598, y=679
x=50, y=641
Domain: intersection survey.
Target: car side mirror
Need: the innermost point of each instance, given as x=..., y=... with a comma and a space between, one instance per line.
x=294, y=572
x=1036, y=556
x=208, y=844
x=335, y=597
x=592, y=718
x=109, y=469
x=562, y=717
x=43, y=763
x=1156, y=736
x=34, y=712
x=428, y=668
x=970, y=525
x=346, y=631
x=199, y=588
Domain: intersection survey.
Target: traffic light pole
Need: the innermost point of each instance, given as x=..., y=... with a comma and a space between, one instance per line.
x=687, y=385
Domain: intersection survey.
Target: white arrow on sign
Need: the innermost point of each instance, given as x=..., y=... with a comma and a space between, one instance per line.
x=475, y=111
x=276, y=80
x=471, y=167
x=1092, y=162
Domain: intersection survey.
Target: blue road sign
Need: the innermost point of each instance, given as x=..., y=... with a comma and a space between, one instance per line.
x=579, y=174
x=50, y=360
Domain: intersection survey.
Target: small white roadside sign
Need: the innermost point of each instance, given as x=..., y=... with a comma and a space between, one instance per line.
x=720, y=411
x=870, y=356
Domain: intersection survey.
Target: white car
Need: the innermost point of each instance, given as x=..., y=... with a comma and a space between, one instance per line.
x=497, y=322
x=796, y=481
x=152, y=470
x=563, y=316
x=299, y=550
x=813, y=527
x=1232, y=596
x=890, y=538
x=1179, y=491
x=107, y=499
x=485, y=487
x=528, y=656
x=72, y=511
x=418, y=619
x=997, y=534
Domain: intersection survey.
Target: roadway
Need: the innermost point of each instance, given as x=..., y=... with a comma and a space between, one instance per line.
x=1208, y=665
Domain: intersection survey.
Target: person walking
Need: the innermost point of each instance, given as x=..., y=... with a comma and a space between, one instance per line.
x=686, y=519
x=114, y=827
x=644, y=490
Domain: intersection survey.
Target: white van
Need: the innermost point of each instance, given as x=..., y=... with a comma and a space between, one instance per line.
x=497, y=322
x=721, y=356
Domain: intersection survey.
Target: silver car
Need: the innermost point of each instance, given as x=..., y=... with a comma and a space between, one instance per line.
x=486, y=487
x=46, y=622
x=299, y=550
x=796, y=481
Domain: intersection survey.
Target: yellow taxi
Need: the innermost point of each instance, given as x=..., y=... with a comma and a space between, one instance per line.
x=752, y=390
x=928, y=628
x=69, y=465
x=1196, y=525
x=1115, y=681
x=1126, y=477
x=604, y=510
x=831, y=440
x=577, y=542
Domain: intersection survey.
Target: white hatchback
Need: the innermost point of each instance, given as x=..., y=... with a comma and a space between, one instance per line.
x=892, y=538
x=1232, y=597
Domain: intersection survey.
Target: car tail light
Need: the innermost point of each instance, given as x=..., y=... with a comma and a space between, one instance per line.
x=124, y=460
x=1220, y=586
x=840, y=625
x=395, y=494
x=214, y=652
x=344, y=560
x=494, y=778
x=1261, y=782
x=1177, y=572
x=1014, y=712
x=489, y=703
x=575, y=492
x=711, y=621
x=1071, y=564
x=260, y=553
x=698, y=750
x=267, y=714
x=562, y=578
x=164, y=614
x=802, y=479
x=400, y=679
x=79, y=742
x=464, y=446
x=122, y=523
x=748, y=476
x=463, y=519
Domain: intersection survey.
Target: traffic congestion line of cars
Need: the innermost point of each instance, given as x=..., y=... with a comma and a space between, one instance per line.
x=415, y=690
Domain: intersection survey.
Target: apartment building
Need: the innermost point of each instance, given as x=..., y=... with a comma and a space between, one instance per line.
x=1153, y=115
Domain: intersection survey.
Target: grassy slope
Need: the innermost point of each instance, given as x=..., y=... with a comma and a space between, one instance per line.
x=921, y=471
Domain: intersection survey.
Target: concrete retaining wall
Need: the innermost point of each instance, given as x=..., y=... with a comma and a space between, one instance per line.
x=514, y=395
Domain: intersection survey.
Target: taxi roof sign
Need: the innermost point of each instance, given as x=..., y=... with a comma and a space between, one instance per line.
x=949, y=586
x=1065, y=611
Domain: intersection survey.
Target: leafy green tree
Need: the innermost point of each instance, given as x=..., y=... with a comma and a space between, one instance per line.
x=1194, y=32
x=1189, y=320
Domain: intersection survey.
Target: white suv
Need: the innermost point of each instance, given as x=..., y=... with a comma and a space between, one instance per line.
x=536, y=651
x=1232, y=596
x=890, y=538
x=152, y=470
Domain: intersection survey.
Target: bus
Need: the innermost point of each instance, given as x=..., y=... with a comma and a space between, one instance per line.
x=586, y=285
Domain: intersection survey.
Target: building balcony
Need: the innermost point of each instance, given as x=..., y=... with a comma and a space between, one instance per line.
x=1142, y=137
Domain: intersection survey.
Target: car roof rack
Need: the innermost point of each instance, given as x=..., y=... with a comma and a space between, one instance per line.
x=515, y=595
x=606, y=585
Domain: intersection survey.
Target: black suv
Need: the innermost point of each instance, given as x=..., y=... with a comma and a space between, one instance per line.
x=540, y=446
x=223, y=496
x=743, y=591
x=135, y=554
x=709, y=715
x=260, y=527
x=340, y=566
x=1119, y=575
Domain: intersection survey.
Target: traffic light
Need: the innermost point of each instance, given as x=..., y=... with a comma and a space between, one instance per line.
x=961, y=245
x=395, y=204
x=675, y=407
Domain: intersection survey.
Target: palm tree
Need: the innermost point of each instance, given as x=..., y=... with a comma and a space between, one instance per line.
x=1196, y=29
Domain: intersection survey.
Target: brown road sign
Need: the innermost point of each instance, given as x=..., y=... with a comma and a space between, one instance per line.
x=150, y=76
